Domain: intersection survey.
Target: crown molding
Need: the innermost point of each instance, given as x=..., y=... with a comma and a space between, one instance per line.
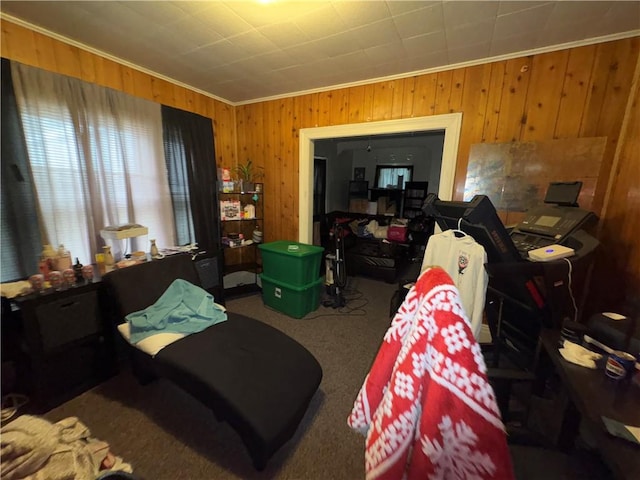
x=525, y=53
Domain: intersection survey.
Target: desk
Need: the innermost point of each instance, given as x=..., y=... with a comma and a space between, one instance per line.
x=594, y=395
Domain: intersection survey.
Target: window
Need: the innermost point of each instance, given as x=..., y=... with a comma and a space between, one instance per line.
x=388, y=176
x=97, y=159
x=78, y=157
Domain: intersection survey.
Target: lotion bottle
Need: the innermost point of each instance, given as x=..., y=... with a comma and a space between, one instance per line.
x=64, y=259
x=47, y=261
x=109, y=262
x=153, y=251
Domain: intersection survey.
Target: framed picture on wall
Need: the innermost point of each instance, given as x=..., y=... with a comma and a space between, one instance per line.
x=358, y=173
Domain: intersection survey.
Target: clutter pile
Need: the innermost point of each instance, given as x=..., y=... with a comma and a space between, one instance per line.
x=33, y=447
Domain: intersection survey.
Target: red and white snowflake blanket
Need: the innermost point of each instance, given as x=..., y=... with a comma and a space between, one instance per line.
x=426, y=406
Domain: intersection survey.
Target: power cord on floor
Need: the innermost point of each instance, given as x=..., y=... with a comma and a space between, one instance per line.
x=345, y=311
x=350, y=295
x=573, y=300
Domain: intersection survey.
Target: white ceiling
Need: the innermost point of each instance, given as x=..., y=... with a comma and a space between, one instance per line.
x=242, y=51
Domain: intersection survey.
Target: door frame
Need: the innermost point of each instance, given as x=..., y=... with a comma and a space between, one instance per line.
x=451, y=123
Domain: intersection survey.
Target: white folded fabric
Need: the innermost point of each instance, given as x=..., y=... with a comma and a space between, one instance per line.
x=13, y=289
x=574, y=353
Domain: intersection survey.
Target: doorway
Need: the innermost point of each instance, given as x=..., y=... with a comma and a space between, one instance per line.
x=450, y=124
x=417, y=156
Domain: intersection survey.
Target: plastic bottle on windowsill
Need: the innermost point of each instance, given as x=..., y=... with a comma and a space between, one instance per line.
x=63, y=260
x=109, y=261
x=153, y=250
x=47, y=261
x=77, y=270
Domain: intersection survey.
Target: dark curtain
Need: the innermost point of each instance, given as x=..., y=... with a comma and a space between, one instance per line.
x=178, y=178
x=21, y=240
x=319, y=187
x=191, y=165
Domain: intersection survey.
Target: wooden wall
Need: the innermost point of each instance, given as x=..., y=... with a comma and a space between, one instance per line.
x=573, y=93
x=578, y=92
x=618, y=267
x=32, y=48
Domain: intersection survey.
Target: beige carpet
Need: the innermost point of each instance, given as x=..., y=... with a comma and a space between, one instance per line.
x=166, y=434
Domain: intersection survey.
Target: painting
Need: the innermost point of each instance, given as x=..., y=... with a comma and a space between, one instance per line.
x=358, y=173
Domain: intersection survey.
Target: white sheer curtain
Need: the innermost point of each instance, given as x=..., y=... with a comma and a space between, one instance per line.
x=97, y=159
x=388, y=176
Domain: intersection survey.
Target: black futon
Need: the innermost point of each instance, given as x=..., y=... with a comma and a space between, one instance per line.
x=248, y=373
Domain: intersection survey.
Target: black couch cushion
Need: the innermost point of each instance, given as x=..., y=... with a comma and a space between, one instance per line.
x=250, y=374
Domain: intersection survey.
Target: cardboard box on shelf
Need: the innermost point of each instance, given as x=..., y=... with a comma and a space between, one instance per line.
x=358, y=205
x=386, y=206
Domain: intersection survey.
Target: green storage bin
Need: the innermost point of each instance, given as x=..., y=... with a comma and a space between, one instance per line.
x=289, y=299
x=293, y=263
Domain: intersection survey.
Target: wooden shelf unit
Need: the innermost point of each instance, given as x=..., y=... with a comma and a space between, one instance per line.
x=241, y=258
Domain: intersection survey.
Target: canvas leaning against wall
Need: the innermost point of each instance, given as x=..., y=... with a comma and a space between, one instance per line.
x=515, y=175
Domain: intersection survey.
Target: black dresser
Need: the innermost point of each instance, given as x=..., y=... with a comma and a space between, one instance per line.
x=66, y=343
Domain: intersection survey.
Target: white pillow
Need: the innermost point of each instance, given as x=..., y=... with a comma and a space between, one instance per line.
x=154, y=343
x=125, y=331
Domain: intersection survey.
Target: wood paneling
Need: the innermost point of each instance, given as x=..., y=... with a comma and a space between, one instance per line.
x=494, y=100
x=356, y=106
x=511, y=116
x=574, y=93
x=339, y=107
x=382, y=101
x=544, y=95
x=475, y=103
x=619, y=262
x=579, y=92
x=424, y=99
x=408, y=92
x=397, y=86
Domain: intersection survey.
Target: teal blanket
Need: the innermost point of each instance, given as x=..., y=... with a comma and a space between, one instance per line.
x=182, y=308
